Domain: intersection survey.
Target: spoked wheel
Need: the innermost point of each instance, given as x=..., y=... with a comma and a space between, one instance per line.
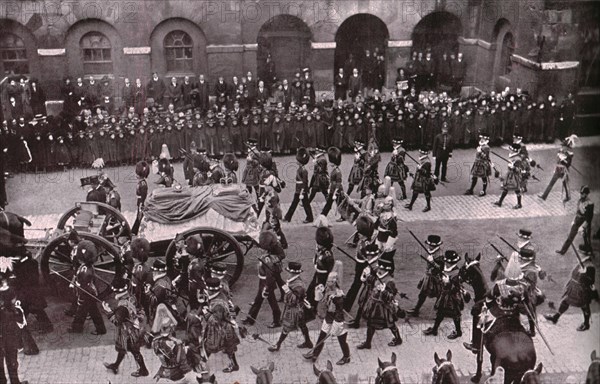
x=219, y=246
x=97, y=218
x=56, y=260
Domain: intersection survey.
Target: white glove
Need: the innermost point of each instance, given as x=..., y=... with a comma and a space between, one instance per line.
x=445, y=279
x=147, y=288
x=106, y=307
x=285, y=288
x=430, y=258
x=366, y=272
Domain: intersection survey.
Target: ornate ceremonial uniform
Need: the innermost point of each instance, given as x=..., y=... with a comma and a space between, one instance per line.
x=159, y=291
x=357, y=172
x=323, y=262
x=396, y=168
x=365, y=253
x=561, y=171
x=335, y=179
x=12, y=324
x=319, y=181
x=512, y=180
x=450, y=302
x=371, y=174
x=423, y=181
x=584, y=216
x=482, y=167
x=431, y=284
x=301, y=192
x=579, y=290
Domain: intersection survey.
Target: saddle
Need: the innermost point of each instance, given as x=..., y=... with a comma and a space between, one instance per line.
x=500, y=325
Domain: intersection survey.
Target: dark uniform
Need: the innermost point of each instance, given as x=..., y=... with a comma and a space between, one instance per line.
x=423, y=181
x=12, y=321
x=561, y=171
x=482, y=167
x=431, y=284
x=319, y=182
x=323, y=262
x=358, y=168
x=584, y=216
x=335, y=179
x=301, y=192
x=396, y=168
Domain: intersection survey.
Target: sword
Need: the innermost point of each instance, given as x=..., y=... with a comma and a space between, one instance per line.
x=577, y=255
x=528, y=310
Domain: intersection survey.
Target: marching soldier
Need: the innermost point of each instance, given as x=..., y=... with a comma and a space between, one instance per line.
x=450, y=303
x=301, y=188
x=323, y=262
x=396, y=168
x=431, y=284
x=251, y=174
x=423, y=180
x=142, y=171
x=482, y=167
x=12, y=323
x=381, y=308
x=130, y=325
x=371, y=172
x=561, y=171
x=142, y=272
x=231, y=164
x=220, y=333
x=84, y=280
x=579, y=290
x=293, y=310
x=358, y=168
x=330, y=308
x=365, y=256
x=319, y=181
x=169, y=349
x=583, y=217
x=159, y=291
x=512, y=180
x=335, y=179
x=165, y=171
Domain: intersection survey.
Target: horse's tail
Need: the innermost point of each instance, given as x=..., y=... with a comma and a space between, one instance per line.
x=24, y=220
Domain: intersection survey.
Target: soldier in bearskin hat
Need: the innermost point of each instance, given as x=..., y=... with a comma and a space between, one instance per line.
x=450, y=303
x=251, y=174
x=159, y=290
x=430, y=284
x=141, y=272
x=269, y=274
x=165, y=171
x=301, y=188
x=335, y=179
x=482, y=167
x=85, y=280
x=142, y=170
x=220, y=333
x=323, y=262
x=583, y=218
x=512, y=180
x=357, y=172
x=293, y=317
x=423, y=180
x=231, y=164
x=580, y=290
x=381, y=309
x=201, y=168
x=319, y=182
x=396, y=168
x=130, y=325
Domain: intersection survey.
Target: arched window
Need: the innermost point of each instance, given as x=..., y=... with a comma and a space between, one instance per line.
x=508, y=48
x=96, y=54
x=13, y=55
x=178, y=47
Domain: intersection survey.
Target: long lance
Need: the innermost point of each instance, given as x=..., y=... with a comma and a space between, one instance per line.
x=426, y=250
x=372, y=261
x=528, y=310
x=499, y=253
x=94, y=297
x=502, y=157
x=576, y=170
x=302, y=144
x=509, y=244
x=577, y=255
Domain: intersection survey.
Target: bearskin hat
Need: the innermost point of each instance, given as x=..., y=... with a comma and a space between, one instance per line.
x=230, y=162
x=142, y=169
x=364, y=226
x=140, y=249
x=266, y=160
x=164, y=166
x=198, y=162
x=269, y=242
x=74, y=236
x=194, y=245
x=86, y=252
x=324, y=237
x=302, y=155
x=334, y=155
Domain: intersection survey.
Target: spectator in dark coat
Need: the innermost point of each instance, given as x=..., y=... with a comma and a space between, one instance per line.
x=442, y=151
x=202, y=86
x=156, y=89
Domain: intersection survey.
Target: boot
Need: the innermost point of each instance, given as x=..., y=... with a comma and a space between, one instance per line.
x=142, y=370
x=484, y=190
x=275, y=348
x=114, y=367
x=433, y=330
x=345, y=349
x=415, y=311
x=367, y=343
x=586, y=322
x=412, y=201
x=307, y=343
x=428, y=207
x=457, y=330
x=315, y=352
x=233, y=365
x=397, y=340
x=469, y=192
x=502, y=196
x=518, y=206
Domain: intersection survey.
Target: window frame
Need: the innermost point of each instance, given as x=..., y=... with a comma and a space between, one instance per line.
x=172, y=50
x=16, y=62
x=101, y=56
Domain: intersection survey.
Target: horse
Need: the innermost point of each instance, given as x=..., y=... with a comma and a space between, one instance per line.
x=12, y=233
x=444, y=371
x=325, y=376
x=387, y=372
x=265, y=374
x=593, y=373
x=205, y=378
x=532, y=376
x=513, y=350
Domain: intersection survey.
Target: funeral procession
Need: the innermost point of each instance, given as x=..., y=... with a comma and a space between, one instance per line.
x=282, y=192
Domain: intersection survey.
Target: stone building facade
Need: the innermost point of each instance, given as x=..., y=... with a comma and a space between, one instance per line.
x=500, y=39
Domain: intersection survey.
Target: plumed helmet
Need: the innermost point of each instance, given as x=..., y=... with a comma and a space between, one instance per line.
x=230, y=162
x=268, y=241
x=266, y=160
x=513, y=268
x=142, y=169
x=140, y=249
x=334, y=155
x=364, y=226
x=194, y=245
x=324, y=237
x=302, y=156
x=86, y=252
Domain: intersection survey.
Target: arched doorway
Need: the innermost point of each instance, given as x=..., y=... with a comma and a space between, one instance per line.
x=504, y=41
x=437, y=32
x=287, y=38
x=356, y=34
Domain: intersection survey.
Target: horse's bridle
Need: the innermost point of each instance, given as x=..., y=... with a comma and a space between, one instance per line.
x=390, y=368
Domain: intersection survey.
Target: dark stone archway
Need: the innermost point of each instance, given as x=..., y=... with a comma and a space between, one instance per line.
x=287, y=38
